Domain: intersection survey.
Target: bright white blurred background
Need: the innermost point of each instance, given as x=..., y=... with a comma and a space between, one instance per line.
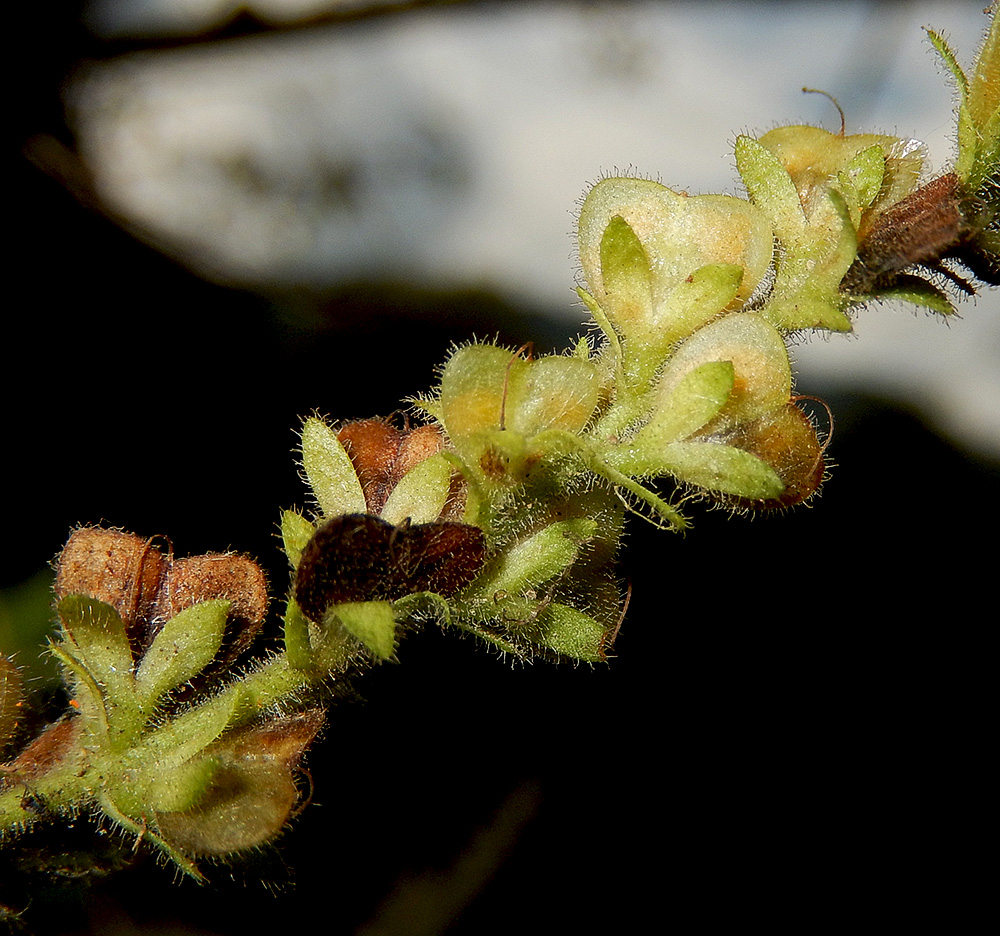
x=450, y=145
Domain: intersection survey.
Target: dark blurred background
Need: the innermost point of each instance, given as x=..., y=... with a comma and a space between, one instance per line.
x=790, y=730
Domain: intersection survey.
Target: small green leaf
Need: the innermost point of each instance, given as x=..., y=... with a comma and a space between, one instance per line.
x=534, y=560
x=296, y=532
x=297, y=645
x=329, y=471
x=190, y=732
x=919, y=292
x=861, y=180
x=950, y=61
x=421, y=493
x=984, y=89
x=806, y=287
x=722, y=468
x=96, y=638
x=695, y=399
x=371, y=622
x=626, y=277
x=770, y=187
x=695, y=301
x=572, y=633
x=182, y=649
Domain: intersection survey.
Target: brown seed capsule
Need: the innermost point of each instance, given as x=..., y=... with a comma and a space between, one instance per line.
x=53, y=745
x=217, y=575
x=382, y=454
x=358, y=557
x=920, y=230
x=121, y=569
x=147, y=587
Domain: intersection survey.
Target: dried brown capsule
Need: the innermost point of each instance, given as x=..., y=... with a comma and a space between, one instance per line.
x=58, y=741
x=358, y=557
x=382, y=454
x=121, y=569
x=147, y=587
x=217, y=575
x=936, y=222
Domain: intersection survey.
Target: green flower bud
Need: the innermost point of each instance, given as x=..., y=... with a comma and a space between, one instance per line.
x=870, y=170
x=504, y=415
x=721, y=421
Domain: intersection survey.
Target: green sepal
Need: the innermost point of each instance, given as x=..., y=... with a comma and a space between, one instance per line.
x=722, y=468
x=297, y=645
x=373, y=623
x=984, y=89
x=770, y=187
x=817, y=250
x=861, y=180
x=696, y=399
x=534, y=560
x=186, y=644
x=179, y=739
x=421, y=494
x=967, y=138
x=696, y=300
x=96, y=638
x=551, y=393
x=950, y=61
x=296, y=531
x=984, y=108
x=328, y=469
x=572, y=633
x=978, y=129
x=626, y=277
x=919, y=292
x=472, y=385
x=180, y=788
x=806, y=287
